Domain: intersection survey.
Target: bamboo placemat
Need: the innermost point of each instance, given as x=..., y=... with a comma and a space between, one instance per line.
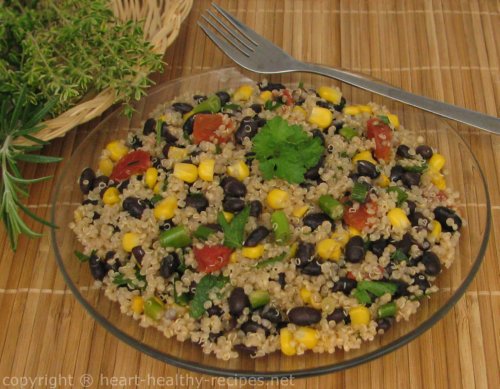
x=443, y=49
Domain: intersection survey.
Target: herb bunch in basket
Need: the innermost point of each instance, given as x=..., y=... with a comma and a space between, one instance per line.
x=53, y=55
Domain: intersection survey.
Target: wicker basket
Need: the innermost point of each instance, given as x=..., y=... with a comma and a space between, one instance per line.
x=162, y=21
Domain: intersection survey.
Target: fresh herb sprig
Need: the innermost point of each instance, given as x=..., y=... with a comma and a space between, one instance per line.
x=19, y=119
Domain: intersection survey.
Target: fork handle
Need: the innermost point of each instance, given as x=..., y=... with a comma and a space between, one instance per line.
x=462, y=115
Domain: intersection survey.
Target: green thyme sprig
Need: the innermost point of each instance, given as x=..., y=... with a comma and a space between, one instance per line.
x=19, y=119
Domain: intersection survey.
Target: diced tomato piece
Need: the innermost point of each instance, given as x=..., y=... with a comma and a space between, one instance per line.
x=288, y=99
x=382, y=134
x=359, y=218
x=205, y=125
x=350, y=276
x=442, y=196
x=134, y=162
x=212, y=258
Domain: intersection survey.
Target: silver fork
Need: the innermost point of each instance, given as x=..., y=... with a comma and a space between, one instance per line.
x=255, y=53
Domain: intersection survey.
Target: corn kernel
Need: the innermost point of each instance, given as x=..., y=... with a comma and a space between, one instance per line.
x=129, y=241
x=321, y=117
x=243, y=93
x=151, y=177
x=315, y=300
x=436, y=230
x=365, y=155
x=233, y=258
x=365, y=108
x=277, y=199
x=398, y=219
x=77, y=215
x=253, y=252
x=359, y=315
x=383, y=181
x=111, y=196
x=333, y=95
x=166, y=208
x=137, y=304
x=117, y=150
x=305, y=295
x=394, y=120
x=186, y=172
x=352, y=110
x=238, y=170
x=436, y=162
x=106, y=166
x=266, y=95
x=157, y=188
x=287, y=342
x=328, y=304
x=299, y=110
x=293, y=250
x=177, y=153
x=353, y=231
x=341, y=237
x=307, y=336
x=300, y=211
x=328, y=249
x=438, y=180
x=228, y=216
x=206, y=169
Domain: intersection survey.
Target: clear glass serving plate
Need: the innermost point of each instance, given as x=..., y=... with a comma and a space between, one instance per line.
x=465, y=176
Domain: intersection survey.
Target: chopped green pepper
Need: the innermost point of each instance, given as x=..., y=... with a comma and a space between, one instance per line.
x=387, y=310
x=259, y=298
x=177, y=237
x=281, y=227
x=348, y=132
x=203, y=232
x=270, y=261
x=154, y=308
x=359, y=192
x=416, y=168
x=212, y=104
x=362, y=296
x=331, y=207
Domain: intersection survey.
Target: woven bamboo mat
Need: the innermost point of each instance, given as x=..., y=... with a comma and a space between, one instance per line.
x=443, y=49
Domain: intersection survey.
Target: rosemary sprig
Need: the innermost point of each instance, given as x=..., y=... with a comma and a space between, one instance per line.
x=19, y=119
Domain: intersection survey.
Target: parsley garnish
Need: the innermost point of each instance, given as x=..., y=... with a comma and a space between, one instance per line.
x=285, y=151
x=206, y=284
x=234, y=232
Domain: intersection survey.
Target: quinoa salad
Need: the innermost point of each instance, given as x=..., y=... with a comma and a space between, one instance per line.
x=266, y=218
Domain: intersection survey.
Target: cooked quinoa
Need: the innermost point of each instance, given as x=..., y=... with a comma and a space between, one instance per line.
x=267, y=218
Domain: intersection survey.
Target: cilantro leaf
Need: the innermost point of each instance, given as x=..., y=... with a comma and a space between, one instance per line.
x=234, y=232
x=206, y=284
x=285, y=151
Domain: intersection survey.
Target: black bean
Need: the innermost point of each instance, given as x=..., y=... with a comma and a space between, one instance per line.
x=432, y=263
x=384, y=324
x=313, y=268
x=367, y=169
x=282, y=280
x=411, y=206
x=402, y=288
x=233, y=187
x=410, y=179
x=215, y=310
x=238, y=301
x=340, y=106
x=403, y=151
x=424, y=151
x=257, y=108
x=149, y=127
x=101, y=183
x=338, y=124
x=271, y=86
x=344, y=285
x=224, y=97
x=197, y=200
x=97, y=267
x=167, y=225
x=272, y=314
x=138, y=253
x=314, y=220
x=187, y=127
x=250, y=326
x=377, y=247
x=247, y=129
x=96, y=216
x=305, y=253
x=338, y=316
x=123, y=185
x=199, y=98
x=416, y=219
x=135, y=142
x=442, y=214
x=404, y=244
x=396, y=173
x=252, y=350
x=213, y=336
x=192, y=287
x=256, y=236
x=304, y=316
x=317, y=133
x=425, y=245
x=86, y=180
x=355, y=250
x=255, y=208
x=313, y=172
x=421, y=281
x=169, y=264
x=167, y=135
x=134, y=206
x=182, y=107
x=165, y=150
x=88, y=201
x=233, y=204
